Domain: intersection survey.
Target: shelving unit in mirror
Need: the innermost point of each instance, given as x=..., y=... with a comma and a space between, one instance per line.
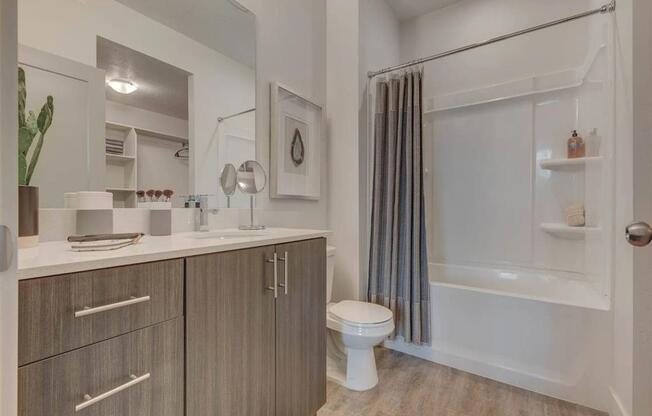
x=122, y=168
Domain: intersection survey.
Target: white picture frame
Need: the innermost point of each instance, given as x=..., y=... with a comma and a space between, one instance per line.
x=295, y=145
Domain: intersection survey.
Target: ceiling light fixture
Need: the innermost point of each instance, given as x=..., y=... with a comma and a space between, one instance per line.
x=122, y=86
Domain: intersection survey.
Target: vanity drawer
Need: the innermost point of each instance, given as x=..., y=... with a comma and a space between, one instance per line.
x=137, y=374
x=61, y=313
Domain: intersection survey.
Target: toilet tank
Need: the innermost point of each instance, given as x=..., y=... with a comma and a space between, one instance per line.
x=330, y=269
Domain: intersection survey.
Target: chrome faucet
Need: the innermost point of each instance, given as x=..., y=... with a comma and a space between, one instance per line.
x=201, y=203
x=203, y=213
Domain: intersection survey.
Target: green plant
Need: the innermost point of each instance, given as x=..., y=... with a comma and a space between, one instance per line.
x=28, y=127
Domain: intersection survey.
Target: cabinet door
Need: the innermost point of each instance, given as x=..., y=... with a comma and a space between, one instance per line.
x=230, y=334
x=301, y=329
x=137, y=374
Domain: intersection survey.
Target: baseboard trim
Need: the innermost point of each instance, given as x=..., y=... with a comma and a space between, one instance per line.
x=617, y=406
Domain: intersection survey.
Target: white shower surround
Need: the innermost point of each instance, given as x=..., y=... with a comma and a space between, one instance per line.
x=511, y=301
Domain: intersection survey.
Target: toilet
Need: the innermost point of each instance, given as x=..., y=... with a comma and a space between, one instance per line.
x=354, y=329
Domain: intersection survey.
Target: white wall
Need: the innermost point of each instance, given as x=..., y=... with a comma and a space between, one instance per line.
x=291, y=50
x=218, y=86
x=379, y=47
x=343, y=209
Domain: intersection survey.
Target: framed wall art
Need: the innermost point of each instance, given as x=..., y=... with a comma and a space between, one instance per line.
x=295, y=145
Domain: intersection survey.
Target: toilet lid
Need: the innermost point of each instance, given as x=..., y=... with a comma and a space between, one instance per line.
x=360, y=312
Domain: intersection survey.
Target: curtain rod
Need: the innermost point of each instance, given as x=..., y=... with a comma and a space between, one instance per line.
x=221, y=119
x=607, y=8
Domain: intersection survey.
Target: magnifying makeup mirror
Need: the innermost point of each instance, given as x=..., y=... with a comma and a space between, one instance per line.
x=228, y=182
x=251, y=179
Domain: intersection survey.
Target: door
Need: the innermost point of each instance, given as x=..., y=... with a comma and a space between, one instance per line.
x=230, y=334
x=8, y=208
x=301, y=328
x=642, y=209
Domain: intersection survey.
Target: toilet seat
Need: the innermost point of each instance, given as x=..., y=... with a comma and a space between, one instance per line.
x=360, y=318
x=349, y=313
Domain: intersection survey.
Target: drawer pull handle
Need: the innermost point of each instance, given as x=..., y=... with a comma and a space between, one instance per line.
x=90, y=400
x=285, y=261
x=274, y=288
x=90, y=311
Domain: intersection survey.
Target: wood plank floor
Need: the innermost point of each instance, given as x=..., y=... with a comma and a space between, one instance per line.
x=410, y=386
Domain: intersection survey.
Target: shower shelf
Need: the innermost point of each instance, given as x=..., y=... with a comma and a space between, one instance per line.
x=567, y=164
x=569, y=233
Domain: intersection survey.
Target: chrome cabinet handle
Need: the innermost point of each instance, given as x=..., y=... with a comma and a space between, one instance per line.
x=285, y=260
x=274, y=288
x=90, y=400
x=87, y=310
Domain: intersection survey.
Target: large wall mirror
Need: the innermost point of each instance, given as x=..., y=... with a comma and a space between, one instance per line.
x=147, y=95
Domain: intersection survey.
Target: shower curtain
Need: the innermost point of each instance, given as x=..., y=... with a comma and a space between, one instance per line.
x=398, y=263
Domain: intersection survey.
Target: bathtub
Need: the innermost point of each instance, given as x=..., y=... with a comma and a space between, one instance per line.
x=542, y=332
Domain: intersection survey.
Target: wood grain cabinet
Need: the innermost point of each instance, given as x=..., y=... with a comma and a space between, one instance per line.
x=256, y=331
x=104, y=342
x=238, y=333
x=60, y=313
x=137, y=374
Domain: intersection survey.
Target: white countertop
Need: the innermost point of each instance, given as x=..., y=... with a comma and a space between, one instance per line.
x=56, y=257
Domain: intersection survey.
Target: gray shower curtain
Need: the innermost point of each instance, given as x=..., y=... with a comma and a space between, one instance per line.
x=398, y=263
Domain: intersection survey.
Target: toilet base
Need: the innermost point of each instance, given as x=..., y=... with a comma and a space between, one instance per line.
x=352, y=368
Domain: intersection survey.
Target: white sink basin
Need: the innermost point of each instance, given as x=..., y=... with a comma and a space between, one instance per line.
x=227, y=235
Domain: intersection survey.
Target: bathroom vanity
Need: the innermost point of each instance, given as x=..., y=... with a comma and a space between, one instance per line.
x=231, y=324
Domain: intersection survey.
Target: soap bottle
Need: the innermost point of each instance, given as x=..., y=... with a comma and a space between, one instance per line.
x=576, y=146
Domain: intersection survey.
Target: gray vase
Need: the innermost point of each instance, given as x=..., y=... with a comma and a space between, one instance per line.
x=27, y=216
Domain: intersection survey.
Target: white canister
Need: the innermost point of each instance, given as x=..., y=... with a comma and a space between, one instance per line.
x=87, y=200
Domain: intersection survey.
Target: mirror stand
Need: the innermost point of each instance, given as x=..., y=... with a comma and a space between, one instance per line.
x=251, y=225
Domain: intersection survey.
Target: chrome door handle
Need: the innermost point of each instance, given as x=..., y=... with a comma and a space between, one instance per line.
x=6, y=248
x=638, y=234
x=91, y=311
x=274, y=288
x=285, y=260
x=90, y=400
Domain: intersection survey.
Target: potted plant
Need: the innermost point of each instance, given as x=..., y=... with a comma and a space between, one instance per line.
x=29, y=127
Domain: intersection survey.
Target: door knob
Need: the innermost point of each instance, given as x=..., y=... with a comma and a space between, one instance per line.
x=638, y=234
